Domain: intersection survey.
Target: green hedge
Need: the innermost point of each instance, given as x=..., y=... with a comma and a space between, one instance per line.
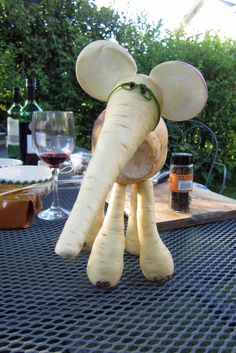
x=43, y=40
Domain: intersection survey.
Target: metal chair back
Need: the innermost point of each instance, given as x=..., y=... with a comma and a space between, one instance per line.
x=197, y=138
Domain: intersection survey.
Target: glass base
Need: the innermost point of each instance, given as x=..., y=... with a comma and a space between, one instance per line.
x=54, y=213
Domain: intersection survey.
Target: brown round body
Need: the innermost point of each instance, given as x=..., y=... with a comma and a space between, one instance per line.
x=149, y=157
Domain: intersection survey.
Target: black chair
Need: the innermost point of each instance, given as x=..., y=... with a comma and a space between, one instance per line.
x=197, y=138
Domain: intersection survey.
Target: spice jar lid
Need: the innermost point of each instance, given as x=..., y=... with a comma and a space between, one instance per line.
x=181, y=158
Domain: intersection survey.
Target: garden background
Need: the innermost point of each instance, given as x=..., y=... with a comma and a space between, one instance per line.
x=42, y=39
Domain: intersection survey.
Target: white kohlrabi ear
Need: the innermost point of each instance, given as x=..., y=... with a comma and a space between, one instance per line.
x=100, y=65
x=183, y=88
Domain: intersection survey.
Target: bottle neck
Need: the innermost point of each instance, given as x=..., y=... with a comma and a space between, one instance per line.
x=16, y=97
x=30, y=93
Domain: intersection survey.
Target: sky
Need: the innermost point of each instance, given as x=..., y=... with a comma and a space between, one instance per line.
x=213, y=14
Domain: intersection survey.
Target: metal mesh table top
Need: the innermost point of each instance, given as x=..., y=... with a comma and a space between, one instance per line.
x=47, y=304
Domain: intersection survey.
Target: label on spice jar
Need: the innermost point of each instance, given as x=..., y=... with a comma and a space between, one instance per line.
x=181, y=183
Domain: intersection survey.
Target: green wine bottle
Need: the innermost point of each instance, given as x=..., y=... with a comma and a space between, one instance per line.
x=27, y=153
x=13, y=116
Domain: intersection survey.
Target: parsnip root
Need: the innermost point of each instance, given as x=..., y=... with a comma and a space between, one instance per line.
x=155, y=259
x=106, y=260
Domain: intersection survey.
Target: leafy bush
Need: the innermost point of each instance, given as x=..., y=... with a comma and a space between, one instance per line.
x=44, y=39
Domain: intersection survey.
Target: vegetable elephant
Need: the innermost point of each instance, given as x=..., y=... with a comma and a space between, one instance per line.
x=135, y=104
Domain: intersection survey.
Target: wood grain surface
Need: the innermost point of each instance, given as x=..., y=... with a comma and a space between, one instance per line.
x=207, y=206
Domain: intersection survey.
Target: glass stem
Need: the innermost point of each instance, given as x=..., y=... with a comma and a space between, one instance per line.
x=55, y=196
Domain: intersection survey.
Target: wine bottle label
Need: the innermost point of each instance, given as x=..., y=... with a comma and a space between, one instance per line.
x=26, y=146
x=12, y=131
x=180, y=183
x=30, y=147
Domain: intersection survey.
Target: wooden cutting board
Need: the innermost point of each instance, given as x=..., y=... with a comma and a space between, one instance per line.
x=207, y=206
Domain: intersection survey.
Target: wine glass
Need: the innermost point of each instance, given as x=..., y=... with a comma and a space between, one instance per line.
x=53, y=134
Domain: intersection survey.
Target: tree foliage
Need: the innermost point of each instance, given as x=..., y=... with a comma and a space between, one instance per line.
x=43, y=38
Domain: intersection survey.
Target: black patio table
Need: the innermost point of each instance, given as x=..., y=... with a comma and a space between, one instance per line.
x=47, y=304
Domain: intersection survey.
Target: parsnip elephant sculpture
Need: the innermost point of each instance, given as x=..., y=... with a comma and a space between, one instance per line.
x=135, y=102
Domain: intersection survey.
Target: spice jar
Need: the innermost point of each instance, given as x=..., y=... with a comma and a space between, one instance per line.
x=181, y=181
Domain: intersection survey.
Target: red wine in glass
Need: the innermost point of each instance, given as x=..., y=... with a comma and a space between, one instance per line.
x=53, y=134
x=52, y=159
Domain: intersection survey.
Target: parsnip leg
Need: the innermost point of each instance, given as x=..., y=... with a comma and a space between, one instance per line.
x=131, y=239
x=106, y=261
x=155, y=259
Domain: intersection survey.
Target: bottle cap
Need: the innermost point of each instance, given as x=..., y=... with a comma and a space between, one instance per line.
x=181, y=158
x=31, y=82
